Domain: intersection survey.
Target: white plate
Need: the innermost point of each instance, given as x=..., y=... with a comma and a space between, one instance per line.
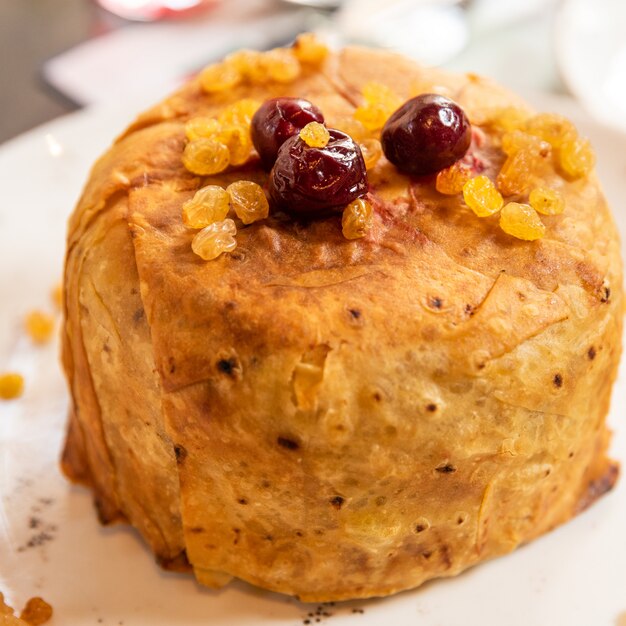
x=52, y=545
x=590, y=46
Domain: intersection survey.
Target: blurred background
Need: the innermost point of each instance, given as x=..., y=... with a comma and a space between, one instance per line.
x=62, y=55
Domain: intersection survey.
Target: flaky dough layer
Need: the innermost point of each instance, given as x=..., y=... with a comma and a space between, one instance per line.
x=327, y=418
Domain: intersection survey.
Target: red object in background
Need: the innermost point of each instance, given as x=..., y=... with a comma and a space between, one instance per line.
x=149, y=10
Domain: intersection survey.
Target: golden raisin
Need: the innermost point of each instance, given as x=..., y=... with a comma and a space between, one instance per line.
x=555, y=129
x=507, y=119
x=517, y=140
x=39, y=326
x=451, y=180
x=248, y=201
x=380, y=103
x=576, y=157
x=257, y=71
x=514, y=176
x=215, y=239
x=238, y=141
x=521, y=221
x=372, y=116
x=481, y=195
x=36, y=612
x=239, y=113
x=372, y=151
x=377, y=92
x=11, y=386
x=357, y=219
x=281, y=65
x=315, y=135
x=547, y=201
x=209, y=204
x=198, y=127
x=219, y=77
x=246, y=62
x=206, y=156
x=57, y=296
x=528, y=159
x=309, y=49
x=352, y=127
x=7, y=617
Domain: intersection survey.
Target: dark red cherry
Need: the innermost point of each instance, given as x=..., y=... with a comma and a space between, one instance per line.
x=309, y=181
x=426, y=134
x=278, y=119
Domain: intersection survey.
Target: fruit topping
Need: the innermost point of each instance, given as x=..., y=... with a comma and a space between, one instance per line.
x=277, y=120
x=315, y=135
x=248, y=201
x=198, y=127
x=529, y=144
x=245, y=62
x=521, y=221
x=426, y=134
x=547, y=201
x=281, y=65
x=309, y=49
x=316, y=170
x=206, y=156
x=217, y=143
x=215, y=239
x=481, y=195
x=379, y=103
x=219, y=77
x=506, y=119
x=576, y=157
x=356, y=219
x=372, y=151
x=451, y=180
x=528, y=159
x=552, y=128
x=306, y=181
x=209, y=204
x=240, y=113
x=238, y=141
x=519, y=141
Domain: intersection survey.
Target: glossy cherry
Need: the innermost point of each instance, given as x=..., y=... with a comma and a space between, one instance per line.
x=309, y=182
x=426, y=134
x=278, y=119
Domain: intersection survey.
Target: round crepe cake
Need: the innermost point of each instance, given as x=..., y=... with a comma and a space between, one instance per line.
x=336, y=417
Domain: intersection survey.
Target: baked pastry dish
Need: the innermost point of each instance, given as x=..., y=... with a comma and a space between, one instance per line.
x=337, y=324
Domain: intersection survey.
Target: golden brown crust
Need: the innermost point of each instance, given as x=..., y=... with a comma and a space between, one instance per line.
x=336, y=419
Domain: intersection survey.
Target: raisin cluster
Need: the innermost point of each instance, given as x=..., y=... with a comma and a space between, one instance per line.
x=317, y=170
